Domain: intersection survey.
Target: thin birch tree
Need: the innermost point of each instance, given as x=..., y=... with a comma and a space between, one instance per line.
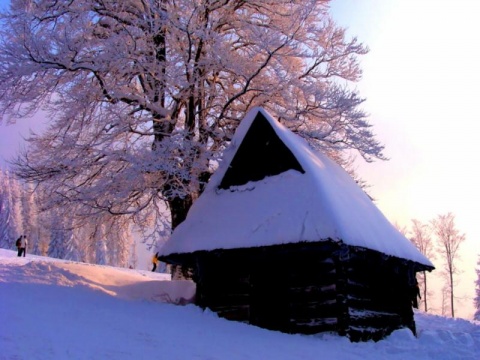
x=6, y=234
x=448, y=241
x=11, y=214
x=476, y=300
x=421, y=238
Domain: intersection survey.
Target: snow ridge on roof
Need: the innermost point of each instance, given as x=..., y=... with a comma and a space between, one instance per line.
x=322, y=203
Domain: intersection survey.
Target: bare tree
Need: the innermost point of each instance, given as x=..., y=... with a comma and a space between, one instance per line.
x=401, y=228
x=444, y=304
x=476, y=301
x=143, y=96
x=11, y=212
x=421, y=238
x=449, y=240
x=8, y=228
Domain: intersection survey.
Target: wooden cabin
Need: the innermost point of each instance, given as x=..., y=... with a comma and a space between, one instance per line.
x=283, y=238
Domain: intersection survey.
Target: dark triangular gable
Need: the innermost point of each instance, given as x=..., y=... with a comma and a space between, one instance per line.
x=260, y=154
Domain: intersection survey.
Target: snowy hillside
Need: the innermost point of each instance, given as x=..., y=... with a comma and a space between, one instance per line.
x=52, y=309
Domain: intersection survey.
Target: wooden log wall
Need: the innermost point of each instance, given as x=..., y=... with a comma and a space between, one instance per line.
x=308, y=288
x=312, y=296
x=283, y=288
x=379, y=296
x=224, y=287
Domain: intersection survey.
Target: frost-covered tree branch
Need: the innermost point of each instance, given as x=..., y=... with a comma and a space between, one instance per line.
x=142, y=96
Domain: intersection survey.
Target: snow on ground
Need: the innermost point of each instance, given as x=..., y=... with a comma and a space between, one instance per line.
x=53, y=309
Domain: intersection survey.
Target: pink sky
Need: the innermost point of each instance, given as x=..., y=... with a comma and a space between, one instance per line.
x=421, y=83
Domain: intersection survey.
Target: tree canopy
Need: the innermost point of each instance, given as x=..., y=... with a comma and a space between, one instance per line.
x=142, y=96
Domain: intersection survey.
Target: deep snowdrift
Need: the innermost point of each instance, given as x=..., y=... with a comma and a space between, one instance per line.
x=52, y=309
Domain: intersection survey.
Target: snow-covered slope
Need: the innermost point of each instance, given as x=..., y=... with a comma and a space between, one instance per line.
x=51, y=309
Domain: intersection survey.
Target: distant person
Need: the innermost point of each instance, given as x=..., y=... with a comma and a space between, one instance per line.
x=22, y=245
x=18, y=243
x=155, y=262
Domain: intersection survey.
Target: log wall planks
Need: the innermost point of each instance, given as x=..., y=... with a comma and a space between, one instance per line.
x=308, y=288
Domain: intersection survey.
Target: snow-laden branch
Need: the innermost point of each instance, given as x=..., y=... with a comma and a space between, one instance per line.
x=143, y=96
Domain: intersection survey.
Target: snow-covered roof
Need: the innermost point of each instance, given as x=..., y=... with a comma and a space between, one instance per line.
x=322, y=202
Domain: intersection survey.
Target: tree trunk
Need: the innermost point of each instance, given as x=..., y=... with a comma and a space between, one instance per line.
x=179, y=208
x=425, y=290
x=451, y=293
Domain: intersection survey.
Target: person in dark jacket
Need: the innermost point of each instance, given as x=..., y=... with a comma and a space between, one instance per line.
x=22, y=245
x=18, y=243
